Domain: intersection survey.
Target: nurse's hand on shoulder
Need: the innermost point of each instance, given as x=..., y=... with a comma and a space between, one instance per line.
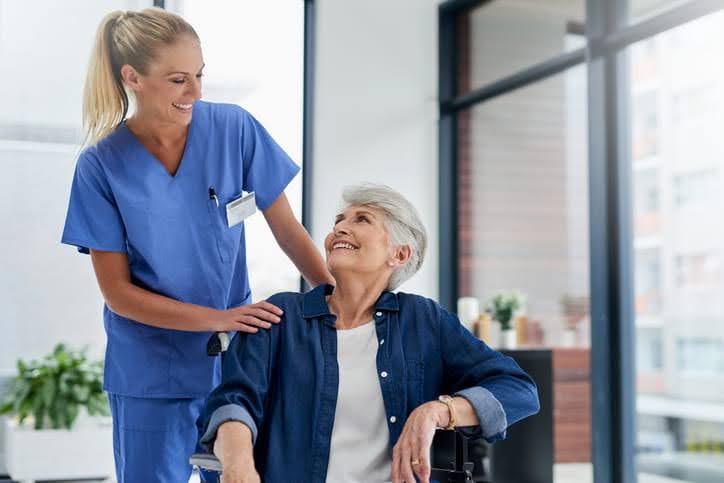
x=250, y=318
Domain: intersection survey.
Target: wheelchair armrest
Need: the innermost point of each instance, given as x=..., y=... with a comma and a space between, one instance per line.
x=450, y=459
x=218, y=344
x=206, y=461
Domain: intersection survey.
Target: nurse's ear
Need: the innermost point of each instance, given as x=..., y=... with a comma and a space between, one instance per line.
x=130, y=77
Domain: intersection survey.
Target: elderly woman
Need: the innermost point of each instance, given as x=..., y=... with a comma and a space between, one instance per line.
x=351, y=386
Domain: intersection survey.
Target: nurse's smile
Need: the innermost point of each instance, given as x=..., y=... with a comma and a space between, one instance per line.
x=185, y=108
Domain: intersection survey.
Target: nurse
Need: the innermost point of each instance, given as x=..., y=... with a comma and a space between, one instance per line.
x=158, y=200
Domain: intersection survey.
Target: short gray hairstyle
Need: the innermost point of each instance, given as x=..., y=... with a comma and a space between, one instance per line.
x=401, y=220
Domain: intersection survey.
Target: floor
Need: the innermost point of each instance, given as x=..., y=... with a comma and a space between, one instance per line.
x=562, y=473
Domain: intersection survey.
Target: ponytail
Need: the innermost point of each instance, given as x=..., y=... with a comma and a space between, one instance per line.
x=105, y=102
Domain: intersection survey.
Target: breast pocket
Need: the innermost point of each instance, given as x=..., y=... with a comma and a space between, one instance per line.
x=415, y=382
x=227, y=239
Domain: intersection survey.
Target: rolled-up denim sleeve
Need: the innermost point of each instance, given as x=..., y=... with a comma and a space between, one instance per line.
x=245, y=377
x=500, y=392
x=230, y=412
x=490, y=412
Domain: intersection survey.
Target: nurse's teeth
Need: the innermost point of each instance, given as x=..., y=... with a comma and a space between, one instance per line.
x=182, y=106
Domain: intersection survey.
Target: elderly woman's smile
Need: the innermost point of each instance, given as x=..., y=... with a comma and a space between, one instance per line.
x=343, y=246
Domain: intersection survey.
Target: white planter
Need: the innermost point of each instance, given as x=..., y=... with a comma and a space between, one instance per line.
x=55, y=454
x=508, y=339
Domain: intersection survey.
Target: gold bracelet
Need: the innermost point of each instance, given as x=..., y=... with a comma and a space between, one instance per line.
x=448, y=401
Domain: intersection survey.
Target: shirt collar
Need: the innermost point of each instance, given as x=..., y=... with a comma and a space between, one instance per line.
x=314, y=303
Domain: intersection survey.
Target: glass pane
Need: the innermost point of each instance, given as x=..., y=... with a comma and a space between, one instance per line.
x=48, y=292
x=44, y=63
x=523, y=212
x=500, y=38
x=643, y=9
x=677, y=156
x=254, y=54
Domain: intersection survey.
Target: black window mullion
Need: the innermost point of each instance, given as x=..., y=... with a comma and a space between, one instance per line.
x=520, y=79
x=308, y=122
x=612, y=327
x=447, y=173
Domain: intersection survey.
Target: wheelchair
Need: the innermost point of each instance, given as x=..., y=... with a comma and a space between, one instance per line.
x=449, y=459
x=450, y=456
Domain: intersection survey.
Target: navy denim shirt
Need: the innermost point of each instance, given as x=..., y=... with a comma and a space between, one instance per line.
x=282, y=382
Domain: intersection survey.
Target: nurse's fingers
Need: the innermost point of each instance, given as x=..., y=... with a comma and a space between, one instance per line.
x=246, y=328
x=253, y=321
x=269, y=307
x=261, y=314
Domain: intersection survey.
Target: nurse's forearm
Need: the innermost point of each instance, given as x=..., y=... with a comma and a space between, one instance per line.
x=136, y=303
x=296, y=242
x=233, y=446
x=157, y=310
x=301, y=250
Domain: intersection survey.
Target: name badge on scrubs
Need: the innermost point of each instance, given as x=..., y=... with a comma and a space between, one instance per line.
x=240, y=209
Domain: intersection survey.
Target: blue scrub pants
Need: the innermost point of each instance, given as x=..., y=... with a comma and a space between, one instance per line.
x=154, y=438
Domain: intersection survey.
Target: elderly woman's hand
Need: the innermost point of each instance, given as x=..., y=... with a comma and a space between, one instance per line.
x=411, y=454
x=238, y=474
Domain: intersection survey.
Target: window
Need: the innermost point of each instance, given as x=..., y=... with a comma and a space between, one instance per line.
x=266, y=80
x=653, y=153
x=49, y=292
x=648, y=281
x=697, y=270
x=696, y=187
x=645, y=136
x=642, y=9
x=701, y=355
x=679, y=348
x=550, y=28
x=523, y=209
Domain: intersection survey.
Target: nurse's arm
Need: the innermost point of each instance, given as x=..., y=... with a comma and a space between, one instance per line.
x=296, y=242
x=136, y=303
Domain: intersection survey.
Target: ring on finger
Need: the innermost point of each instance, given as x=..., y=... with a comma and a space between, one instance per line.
x=416, y=461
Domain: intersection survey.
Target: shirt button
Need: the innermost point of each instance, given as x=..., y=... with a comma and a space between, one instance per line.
x=382, y=341
x=393, y=419
x=383, y=374
x=379, y=314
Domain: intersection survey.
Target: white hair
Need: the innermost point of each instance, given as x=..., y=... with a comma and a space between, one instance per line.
x=401, y=220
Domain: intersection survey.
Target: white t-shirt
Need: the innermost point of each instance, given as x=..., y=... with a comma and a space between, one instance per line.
x=360, y=438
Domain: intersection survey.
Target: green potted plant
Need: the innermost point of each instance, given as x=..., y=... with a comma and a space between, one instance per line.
x=58, y=413
x=502, y=308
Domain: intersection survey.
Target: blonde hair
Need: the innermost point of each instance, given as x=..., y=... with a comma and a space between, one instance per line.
x=123, y=38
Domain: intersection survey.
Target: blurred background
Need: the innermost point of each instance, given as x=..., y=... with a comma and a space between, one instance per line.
x=569, y=151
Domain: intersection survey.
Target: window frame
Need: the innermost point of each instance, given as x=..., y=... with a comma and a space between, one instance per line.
x=607, y=36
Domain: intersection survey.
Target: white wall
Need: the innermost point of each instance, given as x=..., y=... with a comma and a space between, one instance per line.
x=48, y=292
x=376, y=111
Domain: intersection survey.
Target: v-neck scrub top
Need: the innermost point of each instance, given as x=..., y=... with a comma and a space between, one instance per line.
x=176, y=237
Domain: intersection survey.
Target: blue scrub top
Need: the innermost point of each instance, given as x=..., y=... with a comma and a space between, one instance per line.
x=176, y=238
